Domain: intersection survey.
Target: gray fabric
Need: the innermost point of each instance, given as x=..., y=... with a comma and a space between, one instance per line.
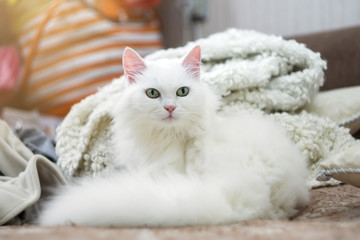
x=13, y=154
x=37, y=142
x=27, y=177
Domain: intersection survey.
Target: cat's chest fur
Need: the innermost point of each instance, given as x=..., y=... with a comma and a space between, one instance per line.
x=156, y=149
x=161, y=117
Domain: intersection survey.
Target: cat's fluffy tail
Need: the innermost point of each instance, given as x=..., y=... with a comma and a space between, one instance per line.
x=138, y=199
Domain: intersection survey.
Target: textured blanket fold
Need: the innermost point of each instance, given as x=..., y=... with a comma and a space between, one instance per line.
x=248, y=70
x=266, y=71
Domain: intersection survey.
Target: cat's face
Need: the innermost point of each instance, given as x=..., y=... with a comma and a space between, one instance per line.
x=165, y=92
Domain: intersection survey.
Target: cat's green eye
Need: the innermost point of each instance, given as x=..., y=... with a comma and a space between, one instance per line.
x=183, y=91
x=152, y=93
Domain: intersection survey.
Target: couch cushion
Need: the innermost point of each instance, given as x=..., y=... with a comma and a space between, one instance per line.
x=340, y=105
x=341, y=50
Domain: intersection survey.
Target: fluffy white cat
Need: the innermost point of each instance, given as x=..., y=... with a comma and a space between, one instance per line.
x=179, y=163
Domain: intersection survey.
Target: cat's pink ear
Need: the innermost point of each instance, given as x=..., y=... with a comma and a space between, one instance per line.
x=133, y=64
x=192, y=62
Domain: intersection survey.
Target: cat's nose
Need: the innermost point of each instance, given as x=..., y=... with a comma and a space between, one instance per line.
x=170, y=108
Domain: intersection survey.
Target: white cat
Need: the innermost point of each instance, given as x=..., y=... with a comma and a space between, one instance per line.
x=182, y=164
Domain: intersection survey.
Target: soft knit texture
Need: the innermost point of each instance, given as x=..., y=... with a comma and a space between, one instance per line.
x=251, y=72
x=264, y=70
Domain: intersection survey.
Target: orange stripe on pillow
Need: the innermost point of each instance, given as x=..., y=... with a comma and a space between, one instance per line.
x=117, y=45
x=69, y=11
x=72, y=27
x=76, y=42
x=56, y=61
x=60, y=30
x=58, y=14
x=122, y=29
x=148, y=28
x=71, y=50
x=34, y=46
x=75, y=71
x=73, y=88
x=62, y=109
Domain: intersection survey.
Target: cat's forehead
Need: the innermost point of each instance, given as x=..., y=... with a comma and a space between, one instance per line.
x=165, y=66
x=167, y=74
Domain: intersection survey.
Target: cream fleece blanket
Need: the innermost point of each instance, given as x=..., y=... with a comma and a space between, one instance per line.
x=249, y=70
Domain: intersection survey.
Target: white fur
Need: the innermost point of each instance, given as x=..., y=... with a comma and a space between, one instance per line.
x=197, y=168
x=142, y=138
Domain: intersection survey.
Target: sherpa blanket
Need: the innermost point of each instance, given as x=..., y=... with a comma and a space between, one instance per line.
x=250, y=71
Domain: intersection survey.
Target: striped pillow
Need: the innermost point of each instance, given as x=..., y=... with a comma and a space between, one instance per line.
x=71, y=50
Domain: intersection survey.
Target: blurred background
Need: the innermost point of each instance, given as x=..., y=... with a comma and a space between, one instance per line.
x=54, y=53
x=185, y=20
